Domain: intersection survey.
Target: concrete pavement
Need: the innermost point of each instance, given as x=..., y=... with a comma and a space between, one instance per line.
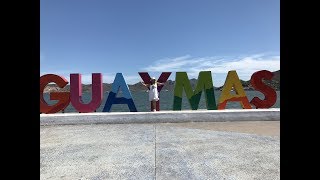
x=208, y=150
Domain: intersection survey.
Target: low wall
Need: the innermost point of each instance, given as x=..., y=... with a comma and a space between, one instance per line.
x=162, y=116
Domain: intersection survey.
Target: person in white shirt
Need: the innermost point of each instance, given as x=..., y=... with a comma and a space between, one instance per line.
x=153, y=92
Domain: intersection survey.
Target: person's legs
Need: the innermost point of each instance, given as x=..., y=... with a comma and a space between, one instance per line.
x=154, y=105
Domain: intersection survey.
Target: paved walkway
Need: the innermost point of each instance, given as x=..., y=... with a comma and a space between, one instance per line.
x=207, y=150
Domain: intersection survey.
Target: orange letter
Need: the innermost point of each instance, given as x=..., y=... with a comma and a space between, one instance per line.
x=233, y=80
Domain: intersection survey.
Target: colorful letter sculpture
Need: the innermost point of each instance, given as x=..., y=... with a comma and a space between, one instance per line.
x=119, y=83
x=162, y=79
x=182, y=83
x=233, y=81
x=62, y=97
x=76, y=93
x=204, y=83
x=269, y=93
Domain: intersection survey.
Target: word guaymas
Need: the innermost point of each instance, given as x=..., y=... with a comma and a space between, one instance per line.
x=181, y=83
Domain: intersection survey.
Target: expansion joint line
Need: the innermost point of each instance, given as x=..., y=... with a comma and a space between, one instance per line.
x=155, y=151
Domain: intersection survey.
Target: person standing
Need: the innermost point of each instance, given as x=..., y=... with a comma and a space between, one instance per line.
x=153, y=92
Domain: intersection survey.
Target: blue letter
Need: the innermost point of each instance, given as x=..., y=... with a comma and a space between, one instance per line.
x=118, y=83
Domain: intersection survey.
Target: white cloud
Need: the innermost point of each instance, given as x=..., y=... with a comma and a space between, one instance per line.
x=219, y=66
x=172, y=64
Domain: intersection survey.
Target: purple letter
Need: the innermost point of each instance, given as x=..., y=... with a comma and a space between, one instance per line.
x=76, y=93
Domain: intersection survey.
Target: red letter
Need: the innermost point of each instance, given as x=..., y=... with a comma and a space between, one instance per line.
x=63, y=97
x=76, y=93
x=162, y=79
x=269, y=93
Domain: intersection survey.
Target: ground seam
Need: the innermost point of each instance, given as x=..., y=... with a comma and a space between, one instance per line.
x=155, y=152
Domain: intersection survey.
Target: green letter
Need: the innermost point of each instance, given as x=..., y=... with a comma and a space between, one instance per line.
x=204, y=83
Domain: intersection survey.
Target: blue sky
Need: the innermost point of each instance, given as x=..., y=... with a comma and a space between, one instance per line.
x=130, y=36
